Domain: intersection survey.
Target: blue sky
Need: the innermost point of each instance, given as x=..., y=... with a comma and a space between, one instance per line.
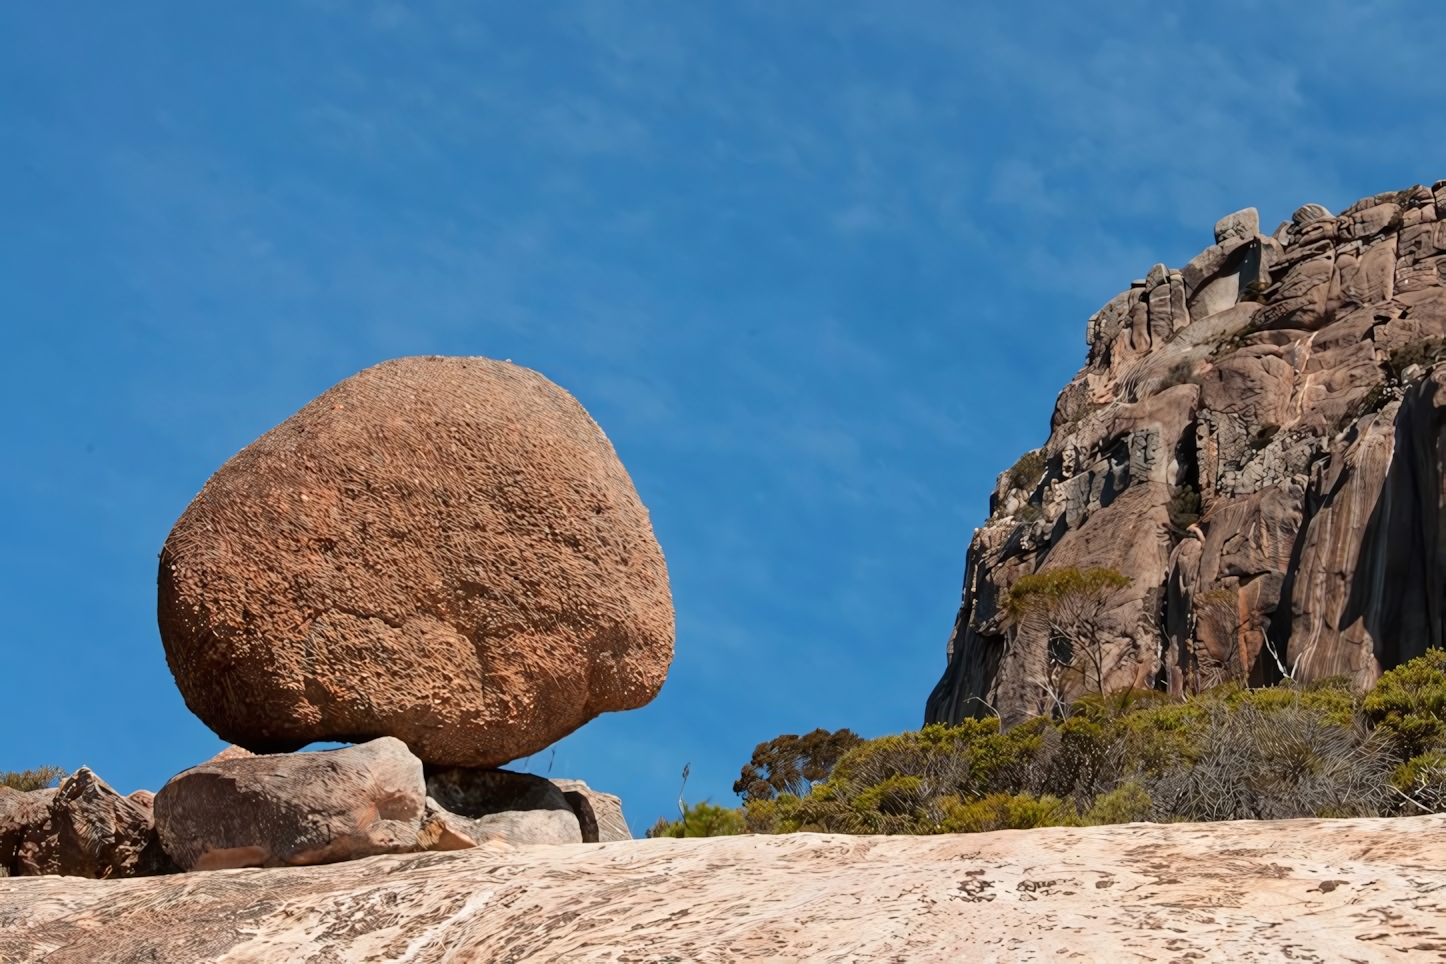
x=817, y=268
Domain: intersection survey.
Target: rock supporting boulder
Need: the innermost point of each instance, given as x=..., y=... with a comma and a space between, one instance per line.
x=444, y=550
x=294, y=808
x=514, y=808
x=600, y=814
x=1255, y=443
x=101, y=834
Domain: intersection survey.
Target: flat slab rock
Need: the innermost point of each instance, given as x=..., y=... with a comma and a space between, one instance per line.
x=1360, y=890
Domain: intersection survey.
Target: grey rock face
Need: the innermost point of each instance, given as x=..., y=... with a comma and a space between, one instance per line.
x=294, y=808
x=1255, y=440
x=518, y=809
x=601, y=814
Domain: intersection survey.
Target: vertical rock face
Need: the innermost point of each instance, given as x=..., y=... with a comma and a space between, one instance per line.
x=1255, y=440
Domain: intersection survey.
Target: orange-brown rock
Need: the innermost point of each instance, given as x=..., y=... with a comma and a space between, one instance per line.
x=82, y=828
x=444, y=550
x=22, y=815
x=1256, y=442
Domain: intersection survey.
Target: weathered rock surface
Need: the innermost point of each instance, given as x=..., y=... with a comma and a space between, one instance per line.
x=601, y=814
x=83, y=828
x=1313, y=890
x=518, y=809
x=22, y=815
x=294, y=808
x=444, y=550
x=1255, y=440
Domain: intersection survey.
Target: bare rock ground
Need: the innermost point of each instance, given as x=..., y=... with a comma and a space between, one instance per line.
x=1302, y=890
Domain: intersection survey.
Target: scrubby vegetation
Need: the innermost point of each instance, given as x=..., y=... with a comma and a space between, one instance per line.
x=1321, y=750
x=1184, y=509
x=1425, y=352
x=1069, y=607
x=793, y=764
x=38, y=779
x=1025, y=473
x=700, y=820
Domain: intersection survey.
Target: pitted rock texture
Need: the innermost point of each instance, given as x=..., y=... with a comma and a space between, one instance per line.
x=444, y=550
x=1255, y=440
x=293, y=808
x=1306, y=890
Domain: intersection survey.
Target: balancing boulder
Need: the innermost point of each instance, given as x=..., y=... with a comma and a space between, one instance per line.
x=444, y=550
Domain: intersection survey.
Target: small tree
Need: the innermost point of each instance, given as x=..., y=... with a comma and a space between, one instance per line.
x=1068, y=607
x=1226, y=657
x=793, y=764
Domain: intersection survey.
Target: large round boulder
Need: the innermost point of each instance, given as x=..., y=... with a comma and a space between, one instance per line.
x=443, y=550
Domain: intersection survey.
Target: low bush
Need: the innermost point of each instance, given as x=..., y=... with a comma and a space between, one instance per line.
x=1410, y=702
x=40, y=778
x=700, y=820
x=1025, y=473
x=1320, y=750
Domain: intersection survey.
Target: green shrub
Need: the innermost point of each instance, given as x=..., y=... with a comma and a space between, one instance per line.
x=38, y=779
x=1420, y=784
x=1001, y=811
x=1046, y=588
x=702, y=819
x=1410, y=703
x=1227, y=753
x=1125, y=804
x=1025, y=474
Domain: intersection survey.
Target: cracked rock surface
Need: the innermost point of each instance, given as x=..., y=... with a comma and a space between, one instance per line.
x=1312, y=890
x=1255, y=440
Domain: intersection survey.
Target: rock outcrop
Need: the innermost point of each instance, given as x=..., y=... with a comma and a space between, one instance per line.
x=1255, y=441
x=82, y=828
x=1301, y=890
x=600, y=814
x=294, y=808
x=518, y=809
x=443, y=550
x=23, y=816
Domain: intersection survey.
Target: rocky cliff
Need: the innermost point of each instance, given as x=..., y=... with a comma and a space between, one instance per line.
x=1255, y=442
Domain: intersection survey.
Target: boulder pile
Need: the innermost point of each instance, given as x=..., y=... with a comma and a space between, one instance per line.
x=440, y=560
x=1253, y=443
